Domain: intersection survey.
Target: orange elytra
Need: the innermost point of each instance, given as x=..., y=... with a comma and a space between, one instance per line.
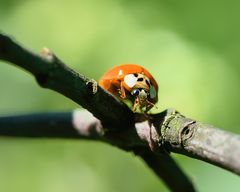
x=132, y=82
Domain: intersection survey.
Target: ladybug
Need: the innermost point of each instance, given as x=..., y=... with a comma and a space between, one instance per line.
x=132, y=82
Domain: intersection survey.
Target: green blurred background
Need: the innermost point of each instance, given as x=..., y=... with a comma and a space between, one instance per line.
x=191, y=47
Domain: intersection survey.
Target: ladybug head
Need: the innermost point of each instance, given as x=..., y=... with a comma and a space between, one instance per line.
x=141, y=94
x=142, y=99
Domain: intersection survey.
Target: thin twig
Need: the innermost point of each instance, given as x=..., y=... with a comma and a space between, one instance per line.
x=81, y=124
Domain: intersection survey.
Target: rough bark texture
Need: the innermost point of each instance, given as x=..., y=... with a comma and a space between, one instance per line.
x=151, y=138
x=201, y=141
x=51, y=73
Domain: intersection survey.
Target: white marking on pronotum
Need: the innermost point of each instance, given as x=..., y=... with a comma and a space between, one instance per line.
x=120, y=72
x=130, y=80
x=84, y=122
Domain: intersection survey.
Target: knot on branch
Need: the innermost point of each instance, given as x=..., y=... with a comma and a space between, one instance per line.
x=176, y=130
x=187, y=131
x=92, y=86
x=42, y=77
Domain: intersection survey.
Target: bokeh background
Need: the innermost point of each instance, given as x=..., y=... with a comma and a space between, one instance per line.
x=191, y=47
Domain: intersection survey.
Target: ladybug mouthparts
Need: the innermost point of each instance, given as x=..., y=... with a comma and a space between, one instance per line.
x=141, y=100
x=140, y=93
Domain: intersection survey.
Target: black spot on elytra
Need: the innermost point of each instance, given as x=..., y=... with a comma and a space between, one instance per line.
x=140, y=79
x=147, y=82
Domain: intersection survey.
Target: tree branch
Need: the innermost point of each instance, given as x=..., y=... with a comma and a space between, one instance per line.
x=51, y=73
x=50, y=125
x=149, y=138
x=166, y=168
x=81, y=124
x=200, y=141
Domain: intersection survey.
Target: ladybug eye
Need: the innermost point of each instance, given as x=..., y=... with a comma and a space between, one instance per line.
x=135, y=92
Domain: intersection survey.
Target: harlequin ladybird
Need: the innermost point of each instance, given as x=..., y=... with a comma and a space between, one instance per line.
x=132, y=82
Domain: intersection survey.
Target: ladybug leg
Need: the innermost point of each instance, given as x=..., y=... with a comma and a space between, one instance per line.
x=136, y=103
x=122, y=91
x=149, y=106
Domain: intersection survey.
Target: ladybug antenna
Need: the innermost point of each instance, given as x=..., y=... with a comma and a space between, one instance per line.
x=152, y=104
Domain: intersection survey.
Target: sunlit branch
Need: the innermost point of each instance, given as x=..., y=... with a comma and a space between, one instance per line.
x=112, y=122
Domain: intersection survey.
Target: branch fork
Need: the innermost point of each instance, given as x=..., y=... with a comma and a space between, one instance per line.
x=111, y=121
